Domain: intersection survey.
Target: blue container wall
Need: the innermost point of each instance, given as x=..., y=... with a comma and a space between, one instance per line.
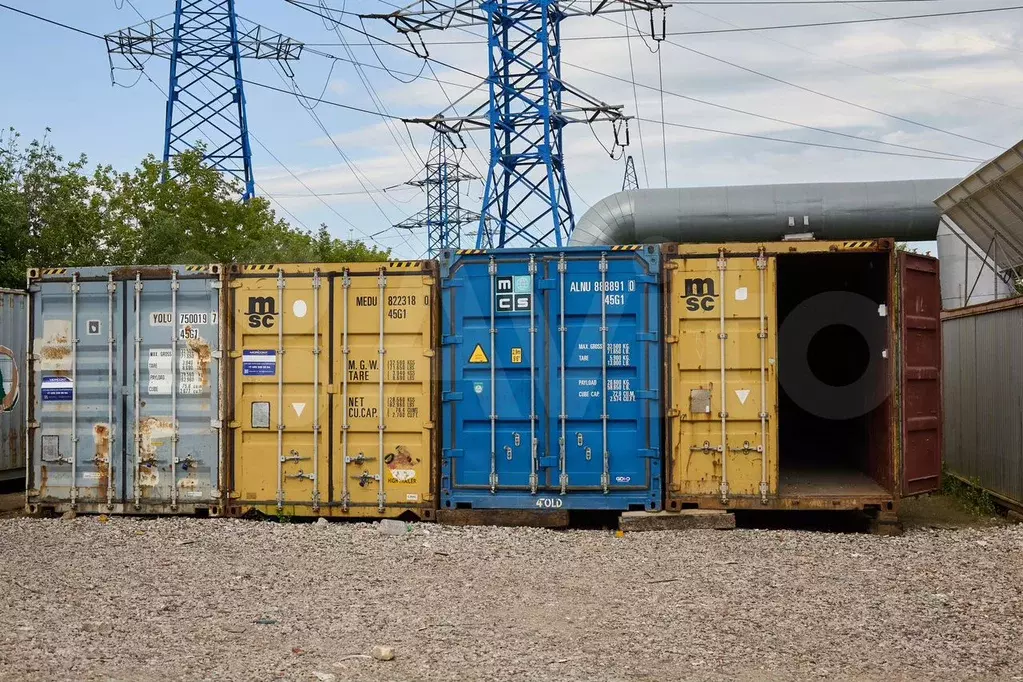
x=13, y=339
x=126, y=406
x=551, y=371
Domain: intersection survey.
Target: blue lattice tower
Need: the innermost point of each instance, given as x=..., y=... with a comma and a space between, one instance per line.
x=206, y=96
x=443, y=218
x=526, y=196
x=631, y=180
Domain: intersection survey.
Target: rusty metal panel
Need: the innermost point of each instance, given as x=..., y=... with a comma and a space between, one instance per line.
x=983, y=369
x=334, y=389
x=920, y=354
x=13, y=340
x=126, y=405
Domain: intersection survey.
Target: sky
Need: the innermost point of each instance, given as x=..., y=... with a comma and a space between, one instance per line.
x=936, y=86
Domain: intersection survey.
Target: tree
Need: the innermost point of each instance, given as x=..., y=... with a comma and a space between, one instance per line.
x=54, y=213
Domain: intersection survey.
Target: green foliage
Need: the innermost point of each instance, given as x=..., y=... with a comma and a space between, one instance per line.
x=969, y=494
x=56, y=213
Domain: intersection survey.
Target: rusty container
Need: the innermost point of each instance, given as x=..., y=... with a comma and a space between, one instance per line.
x=13, y=349
x=126, y=388
x=801, y=375
x=335, y=395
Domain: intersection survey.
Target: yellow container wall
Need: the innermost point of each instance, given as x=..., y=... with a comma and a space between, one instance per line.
x=357, y=439
x=697, y=435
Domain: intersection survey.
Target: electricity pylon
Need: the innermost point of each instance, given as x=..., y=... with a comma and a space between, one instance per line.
x=443, y=218
x=631, y=180
x=206, y=96
x=526, y=194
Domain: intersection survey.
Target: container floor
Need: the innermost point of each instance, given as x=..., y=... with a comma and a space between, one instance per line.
x=828, y=482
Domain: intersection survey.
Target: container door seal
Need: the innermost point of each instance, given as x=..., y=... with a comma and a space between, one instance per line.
x=920, y=373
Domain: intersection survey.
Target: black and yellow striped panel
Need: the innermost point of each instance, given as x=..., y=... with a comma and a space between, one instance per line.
x=860, y=245
x=54, y=271
x=403, y=264
x=627, y=247
x=195, y=268
x=260, y=268
x=469, y=252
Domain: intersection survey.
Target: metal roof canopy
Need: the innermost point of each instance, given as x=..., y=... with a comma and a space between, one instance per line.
x=988, y=206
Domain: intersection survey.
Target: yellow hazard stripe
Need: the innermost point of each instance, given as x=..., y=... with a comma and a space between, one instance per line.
x=261, y=268
x=403, y=263
x=626, y=247
x=54, y=271
x=469, y=252
x=859, y=245
x=195, y=268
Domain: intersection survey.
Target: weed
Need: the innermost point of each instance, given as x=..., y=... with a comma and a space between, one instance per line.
x=969, y=494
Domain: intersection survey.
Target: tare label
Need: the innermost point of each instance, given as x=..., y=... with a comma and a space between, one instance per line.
x=259, y=363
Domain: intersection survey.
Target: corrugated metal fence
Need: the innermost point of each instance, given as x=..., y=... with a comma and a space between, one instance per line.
x=983, y=373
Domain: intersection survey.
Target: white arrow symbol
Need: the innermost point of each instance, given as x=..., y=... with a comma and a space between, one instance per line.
x=301, y=406
x=743, y=394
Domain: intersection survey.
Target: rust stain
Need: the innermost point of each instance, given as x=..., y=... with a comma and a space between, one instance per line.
x=101, y=434
x=146, y=272
x=203, y=357
x=56, y=351
x=151, y=430
x=44, y=476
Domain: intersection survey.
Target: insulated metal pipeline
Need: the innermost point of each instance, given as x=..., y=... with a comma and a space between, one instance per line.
x=902, y=209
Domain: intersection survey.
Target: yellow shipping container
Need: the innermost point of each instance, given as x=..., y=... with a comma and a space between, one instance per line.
x=801, y=375
x=334, y=375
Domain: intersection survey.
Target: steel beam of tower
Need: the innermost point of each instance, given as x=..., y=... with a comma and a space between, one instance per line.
x=631, y=180
x=206, y=96
x=526, y=195
x=443, y=218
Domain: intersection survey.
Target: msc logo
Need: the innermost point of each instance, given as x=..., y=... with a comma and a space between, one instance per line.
x=262, y=310
x=699, y=294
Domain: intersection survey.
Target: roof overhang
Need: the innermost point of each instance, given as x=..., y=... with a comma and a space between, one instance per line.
x=988, y=206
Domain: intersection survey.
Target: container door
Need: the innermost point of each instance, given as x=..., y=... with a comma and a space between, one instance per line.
x=722, y=342
x=383, y=417
x=281, y=331
x=13, y=383
x=603, y=319
x=494, y=349
x=173, y=334
x=920, y=372
x=79, y=445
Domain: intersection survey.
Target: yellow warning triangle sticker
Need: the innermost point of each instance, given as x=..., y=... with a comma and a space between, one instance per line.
x=478, y=356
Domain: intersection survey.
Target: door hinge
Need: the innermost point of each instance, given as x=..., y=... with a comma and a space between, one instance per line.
x=451, y=283
x=451, y=339
x=548, y=462
x=450, y=396
x=646, y=336
x=546, y=284
x=647, y=395
x=652, y=453
x=452, y=453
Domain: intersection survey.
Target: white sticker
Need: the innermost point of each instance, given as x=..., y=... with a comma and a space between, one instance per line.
x=193, y=493
x=161, y=368
x=299, y=407
x=741, y=294
x=412, y=497
x=742, y=393
x=299, y=308
x=162, y=319
x=90, y=474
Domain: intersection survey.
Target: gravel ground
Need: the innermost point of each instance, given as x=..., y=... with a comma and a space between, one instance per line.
x=182, y=599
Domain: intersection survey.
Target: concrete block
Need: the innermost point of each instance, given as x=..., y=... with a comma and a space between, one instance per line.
x=687, y=519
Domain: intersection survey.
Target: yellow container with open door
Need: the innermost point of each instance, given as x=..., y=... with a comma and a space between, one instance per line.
x=334, y=376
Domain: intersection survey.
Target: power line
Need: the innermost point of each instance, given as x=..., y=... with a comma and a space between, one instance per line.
x=819, y=93
x=746, y=29
x=808, y=144
x=51, y=21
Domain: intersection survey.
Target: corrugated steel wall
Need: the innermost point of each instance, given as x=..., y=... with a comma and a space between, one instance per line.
x=983, y=372
x=13, y=325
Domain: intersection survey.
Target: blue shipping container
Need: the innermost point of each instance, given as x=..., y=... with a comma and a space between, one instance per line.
x=126, y=389
x=551, y=372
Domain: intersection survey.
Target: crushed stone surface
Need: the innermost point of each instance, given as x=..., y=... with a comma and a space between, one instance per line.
x=183, y=599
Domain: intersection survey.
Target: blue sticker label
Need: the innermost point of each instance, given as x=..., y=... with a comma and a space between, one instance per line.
x=57, y=389
x=259, y=363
